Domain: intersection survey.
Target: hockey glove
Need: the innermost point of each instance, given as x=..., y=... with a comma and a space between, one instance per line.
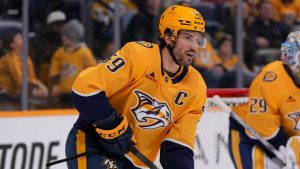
x=116, y=136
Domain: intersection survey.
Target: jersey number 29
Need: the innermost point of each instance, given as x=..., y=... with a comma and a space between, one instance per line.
x=258, y=105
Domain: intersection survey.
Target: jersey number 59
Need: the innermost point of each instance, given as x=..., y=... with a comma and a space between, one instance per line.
x=113, y=64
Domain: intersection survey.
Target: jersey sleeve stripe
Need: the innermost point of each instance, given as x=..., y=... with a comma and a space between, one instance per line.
x=86, y=94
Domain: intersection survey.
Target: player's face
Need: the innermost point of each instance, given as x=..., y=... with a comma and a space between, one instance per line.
x=186, y=45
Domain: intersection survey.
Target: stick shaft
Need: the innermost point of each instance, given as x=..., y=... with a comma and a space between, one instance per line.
x=142, y=157
x=132, y=149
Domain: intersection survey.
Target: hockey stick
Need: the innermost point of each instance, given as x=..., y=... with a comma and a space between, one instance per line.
x=88, y=153
x=132, y=149
x=142, y=157
x=264, y=142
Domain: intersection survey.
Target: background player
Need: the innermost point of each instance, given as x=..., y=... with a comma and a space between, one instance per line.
x=146, y=94
x=273, y=108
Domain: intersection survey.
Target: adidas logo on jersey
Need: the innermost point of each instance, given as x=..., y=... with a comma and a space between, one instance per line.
x=290, y=99
x=151, y=76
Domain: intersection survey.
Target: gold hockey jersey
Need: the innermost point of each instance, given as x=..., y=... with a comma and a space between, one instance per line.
x=11, y=73
x=68, y=64
x=137, y=86
x=274, y=102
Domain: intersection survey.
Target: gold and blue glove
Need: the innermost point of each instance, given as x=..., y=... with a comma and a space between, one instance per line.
x=116, y=136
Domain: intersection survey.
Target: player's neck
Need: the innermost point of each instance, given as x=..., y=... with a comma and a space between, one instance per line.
x=168, y=62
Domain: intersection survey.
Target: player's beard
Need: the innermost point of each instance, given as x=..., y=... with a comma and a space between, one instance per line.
x=181, y=56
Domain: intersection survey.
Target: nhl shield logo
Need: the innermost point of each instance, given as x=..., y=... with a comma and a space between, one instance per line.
x=296, y=117
x=150, y=113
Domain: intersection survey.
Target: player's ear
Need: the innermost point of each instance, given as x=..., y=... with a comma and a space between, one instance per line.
x=168, y=37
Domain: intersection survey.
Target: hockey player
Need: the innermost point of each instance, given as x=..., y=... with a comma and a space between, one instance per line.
x=273, y=109
x=145, y=95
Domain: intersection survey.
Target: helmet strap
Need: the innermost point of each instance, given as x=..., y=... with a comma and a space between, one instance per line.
x=171, y=52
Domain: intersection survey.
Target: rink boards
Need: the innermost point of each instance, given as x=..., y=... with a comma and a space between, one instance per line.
x=28, y=140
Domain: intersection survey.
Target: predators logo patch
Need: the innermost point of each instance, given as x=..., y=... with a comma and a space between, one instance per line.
x=145, y=44
x=150, y=113
x=296, y=118
x=270, y=76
